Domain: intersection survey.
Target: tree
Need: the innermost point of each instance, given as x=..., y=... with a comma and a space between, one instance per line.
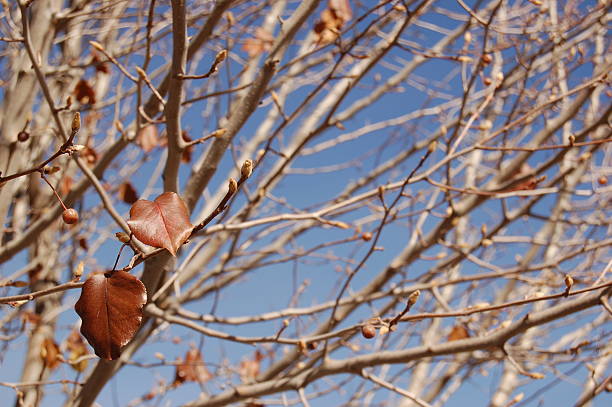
x=337, y=202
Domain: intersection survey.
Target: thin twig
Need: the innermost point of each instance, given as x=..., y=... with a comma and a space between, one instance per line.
x=100, y=48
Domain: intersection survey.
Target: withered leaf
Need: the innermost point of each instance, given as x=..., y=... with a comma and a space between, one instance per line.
x=84, y=93
x=76, y=348
x=333, y=18
x=50, y=354
x=147, y=138
x=192, y=369
x=458, y=332
x=31, y=317
x=65, y=185
x=90, y=155
x=161, y=223
x=99, y=65
x=341, y=9
x=127, y=193
x=262, y=42
x=249, y=369
x=110, y=307
x=83, y=243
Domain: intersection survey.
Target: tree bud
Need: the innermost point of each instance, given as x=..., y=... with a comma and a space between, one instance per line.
x=247, y=169
x=76, y=122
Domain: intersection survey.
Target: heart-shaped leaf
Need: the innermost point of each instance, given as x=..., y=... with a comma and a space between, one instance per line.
x=111, y=309
x=161, y=223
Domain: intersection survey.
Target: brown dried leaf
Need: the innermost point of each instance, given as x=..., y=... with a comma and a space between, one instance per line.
x=83, y=243
x=127, y=193
x=333, y=18
x=50, y=354
x=192, y=369
x=84, y=93
x=65, y=185
x=262, y=42
x=77, y=349
x=34, y=273
x=341, y=9
x=147, y=138
x=111, y=309
x=457, y=333
x=90, y=155
x=249, y=369
x=161, y=223
x=528, y=185
x=31, y=317
x=100, y=66
x=16, y=283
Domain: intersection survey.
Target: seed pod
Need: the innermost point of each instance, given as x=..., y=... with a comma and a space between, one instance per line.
x=23, y=136
x=367, y=236
x=368, y=331
x=70, y=216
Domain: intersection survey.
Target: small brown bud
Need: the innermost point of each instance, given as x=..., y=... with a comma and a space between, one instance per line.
x=486, y=59
x=381, y=193
x=311, y=345
x=367, y=236
x=70, y=216
x=412, y=299
x=76, y=122
x=569, y=282
x=232, y=186
x=487, y=81
x=218, y=133
x=432, y=146
x=48, y=170
x=571, y=139
x=603, y=180
x=96, y=45
x=368, y=331
x=75, y=148
x=220, y=57
x=247, y=169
